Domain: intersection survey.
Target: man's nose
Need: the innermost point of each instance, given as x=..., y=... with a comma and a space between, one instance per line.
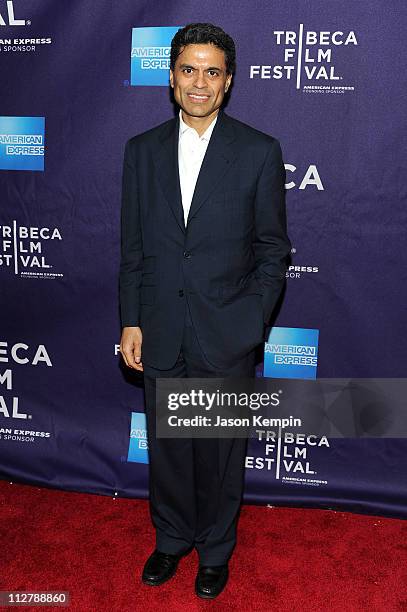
x=200, y=80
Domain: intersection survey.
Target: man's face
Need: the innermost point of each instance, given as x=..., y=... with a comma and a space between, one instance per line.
x=199, y=79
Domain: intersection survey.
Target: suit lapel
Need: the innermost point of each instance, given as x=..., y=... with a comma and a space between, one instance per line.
x=168, y=173
x=220, y=154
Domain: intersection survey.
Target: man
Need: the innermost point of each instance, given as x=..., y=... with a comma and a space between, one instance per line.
x=204, y=246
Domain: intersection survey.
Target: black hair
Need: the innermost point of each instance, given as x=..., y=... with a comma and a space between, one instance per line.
x=203, y=33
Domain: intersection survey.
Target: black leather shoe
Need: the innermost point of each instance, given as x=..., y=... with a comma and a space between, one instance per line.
x=211, y=580
x=159, y=568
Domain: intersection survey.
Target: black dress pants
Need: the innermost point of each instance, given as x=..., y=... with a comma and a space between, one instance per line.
x=196, y=485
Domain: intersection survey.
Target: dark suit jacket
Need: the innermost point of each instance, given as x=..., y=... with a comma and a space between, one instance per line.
x=230, y=260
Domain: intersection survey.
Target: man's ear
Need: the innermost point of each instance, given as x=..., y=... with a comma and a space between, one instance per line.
x=228, y=82
x=171, y=78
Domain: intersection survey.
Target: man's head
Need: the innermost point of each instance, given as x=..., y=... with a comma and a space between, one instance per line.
x=202, y=64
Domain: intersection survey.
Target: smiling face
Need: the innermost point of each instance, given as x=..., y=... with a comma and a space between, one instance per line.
x=200, y=81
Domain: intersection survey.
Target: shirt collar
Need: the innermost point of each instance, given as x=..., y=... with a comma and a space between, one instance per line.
x=183, y=127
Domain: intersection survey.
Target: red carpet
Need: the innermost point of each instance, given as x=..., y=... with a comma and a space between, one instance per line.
x=286, y=559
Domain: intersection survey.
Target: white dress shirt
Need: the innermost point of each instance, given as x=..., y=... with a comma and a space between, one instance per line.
x=191, y=151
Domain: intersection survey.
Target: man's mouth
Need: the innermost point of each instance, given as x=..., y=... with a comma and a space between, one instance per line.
x=198, y=97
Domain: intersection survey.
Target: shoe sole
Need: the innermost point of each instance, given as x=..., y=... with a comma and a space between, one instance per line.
x=202, y=596
x=207, y=596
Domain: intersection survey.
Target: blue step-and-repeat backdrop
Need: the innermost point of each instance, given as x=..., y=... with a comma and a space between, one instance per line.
x=79, y=78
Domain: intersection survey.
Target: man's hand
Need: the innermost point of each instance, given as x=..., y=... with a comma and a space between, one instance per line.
x=130, y=347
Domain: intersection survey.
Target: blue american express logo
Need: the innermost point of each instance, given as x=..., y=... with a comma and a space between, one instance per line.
x=138, y=446
x=22, y=143
x=291, y=352
x=150, y=55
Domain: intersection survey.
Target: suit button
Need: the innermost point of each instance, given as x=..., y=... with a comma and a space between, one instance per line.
x=187, y=255
x=181, y=293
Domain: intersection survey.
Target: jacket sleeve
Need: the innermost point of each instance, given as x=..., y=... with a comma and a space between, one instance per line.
x=131, y=243
x=271, y=244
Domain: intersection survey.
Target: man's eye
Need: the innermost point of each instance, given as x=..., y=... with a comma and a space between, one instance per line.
x=189, y=70
x=213, y=73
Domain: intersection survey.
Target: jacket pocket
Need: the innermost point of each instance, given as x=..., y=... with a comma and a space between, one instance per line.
x=230, y=292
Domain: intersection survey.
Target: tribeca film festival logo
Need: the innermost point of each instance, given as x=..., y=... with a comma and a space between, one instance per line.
x=22, y=143
x=150, y=55
x=22, y=250
x=307, y=60
x=291, y=352
x=288, y=454
x=21, y=354
x=8, y=19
